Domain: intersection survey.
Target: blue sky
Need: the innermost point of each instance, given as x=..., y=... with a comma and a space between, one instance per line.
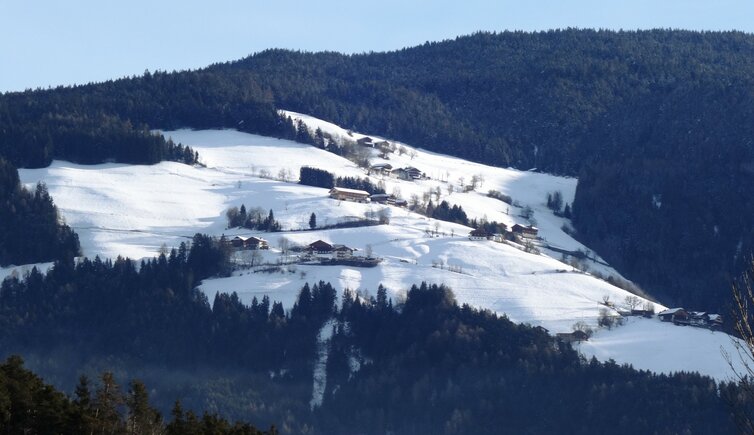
x=50, y=42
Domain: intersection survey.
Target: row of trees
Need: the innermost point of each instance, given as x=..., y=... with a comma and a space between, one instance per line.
x=34, y=141
x=253, y=219
x=445, y=212
x=310, y=176
x=316, y=177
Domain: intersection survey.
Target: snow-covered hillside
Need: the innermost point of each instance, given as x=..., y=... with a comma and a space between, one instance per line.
x=134, y=210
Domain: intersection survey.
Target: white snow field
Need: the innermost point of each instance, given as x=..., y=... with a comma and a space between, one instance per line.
x=133, y=210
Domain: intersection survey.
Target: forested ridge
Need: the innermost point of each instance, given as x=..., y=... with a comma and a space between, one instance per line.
x=675, y=213
x=113, y=120
x=512, y=98
x=422, y=365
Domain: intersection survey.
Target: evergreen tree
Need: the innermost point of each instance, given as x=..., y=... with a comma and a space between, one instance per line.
x=142, y=418
x=107, y=404
x=313, y=221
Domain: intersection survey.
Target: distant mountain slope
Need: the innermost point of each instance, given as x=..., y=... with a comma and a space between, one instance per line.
x=577, y=102
x=637, y=115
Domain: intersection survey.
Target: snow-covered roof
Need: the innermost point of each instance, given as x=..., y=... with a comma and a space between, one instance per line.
x=347, y=190
x=670, y=311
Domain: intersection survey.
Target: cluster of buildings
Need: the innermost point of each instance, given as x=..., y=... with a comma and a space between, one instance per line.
x=322, y=250
x=680, y=316
x=332, y=254
x=572, y=337
x=369, y=142
x=409, y=173
x=362, y=196
x=252, y=243
x=319, y=250
x=528, y=232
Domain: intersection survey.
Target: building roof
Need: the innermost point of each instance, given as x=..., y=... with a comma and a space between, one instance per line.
x=524, y=228
x=320, y=245
x=670, y=311
x=351, y=191
x=249, y=238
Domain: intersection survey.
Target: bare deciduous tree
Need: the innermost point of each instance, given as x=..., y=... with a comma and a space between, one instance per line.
x=583, y=327
x=255, y=258
x=742, y=363
x=632, y=302
x=384, y=216
x=649, y=306
x=284, y=244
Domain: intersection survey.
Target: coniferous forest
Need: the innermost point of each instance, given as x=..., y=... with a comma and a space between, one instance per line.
x=424, y=365
x=31, y=229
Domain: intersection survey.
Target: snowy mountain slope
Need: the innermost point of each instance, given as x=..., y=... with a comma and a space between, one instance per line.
x=526, y=188
x=133, y=210
x=663, y=347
